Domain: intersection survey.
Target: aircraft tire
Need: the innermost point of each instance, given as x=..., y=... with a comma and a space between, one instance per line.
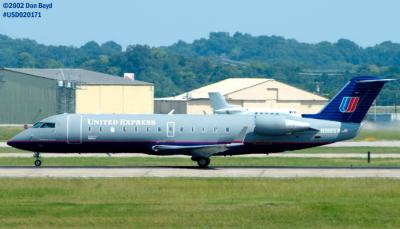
x=203, y=162
x=38, y=163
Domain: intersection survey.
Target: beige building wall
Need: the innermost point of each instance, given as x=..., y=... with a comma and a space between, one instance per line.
x=267, y=95
x=199, y=106
x=276, y=95
x=115, y=99
x=255, y=94
x=302, y=107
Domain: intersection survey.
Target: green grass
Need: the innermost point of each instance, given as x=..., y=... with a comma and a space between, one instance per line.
x=378, y=135
x=12, y=150
x=215, y=161
x=199, y=203
x=7, y=132
x=348, y=150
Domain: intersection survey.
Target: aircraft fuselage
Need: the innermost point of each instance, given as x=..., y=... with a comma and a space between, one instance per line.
x=141, y=133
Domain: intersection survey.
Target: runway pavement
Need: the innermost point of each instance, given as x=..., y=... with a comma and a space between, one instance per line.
x=4, y=144
x=243, y=172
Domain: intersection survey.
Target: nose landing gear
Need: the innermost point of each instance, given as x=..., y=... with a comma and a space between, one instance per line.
x=38, y=162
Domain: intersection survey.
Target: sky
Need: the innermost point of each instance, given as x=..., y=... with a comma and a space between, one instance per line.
x=164, y=22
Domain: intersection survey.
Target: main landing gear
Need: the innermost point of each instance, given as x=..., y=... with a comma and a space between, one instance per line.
x=38, y=162
x=203, y=162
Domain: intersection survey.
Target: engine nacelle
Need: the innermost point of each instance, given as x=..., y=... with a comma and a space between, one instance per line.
x=276, y=125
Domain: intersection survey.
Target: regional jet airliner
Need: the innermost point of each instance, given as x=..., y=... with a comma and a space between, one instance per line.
x=203, y=136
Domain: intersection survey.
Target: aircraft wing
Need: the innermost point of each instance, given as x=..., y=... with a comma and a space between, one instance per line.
x=203, y=150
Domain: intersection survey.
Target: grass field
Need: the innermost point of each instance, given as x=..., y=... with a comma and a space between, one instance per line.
x=7, y=132
x=199, y=203
x=215, y=161
x=377, y=135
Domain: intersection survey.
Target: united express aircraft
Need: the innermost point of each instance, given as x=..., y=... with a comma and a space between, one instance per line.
x=203, y=136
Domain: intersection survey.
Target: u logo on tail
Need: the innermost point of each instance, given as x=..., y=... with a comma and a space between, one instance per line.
x=348, y=104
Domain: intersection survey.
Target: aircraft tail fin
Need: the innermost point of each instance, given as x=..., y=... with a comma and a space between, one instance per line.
x=218, y=101
x=352, y=103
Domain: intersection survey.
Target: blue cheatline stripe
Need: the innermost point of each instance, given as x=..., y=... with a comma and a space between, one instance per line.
x=344, y=104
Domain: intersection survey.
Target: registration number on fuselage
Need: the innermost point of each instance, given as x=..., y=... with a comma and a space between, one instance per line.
x=329, y=130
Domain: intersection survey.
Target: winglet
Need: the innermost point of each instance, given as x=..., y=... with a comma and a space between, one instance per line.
x=171, y=112
x=241, y=136
x=239, y=140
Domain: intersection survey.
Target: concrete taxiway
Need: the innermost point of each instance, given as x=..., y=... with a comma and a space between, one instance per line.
x=243, y=172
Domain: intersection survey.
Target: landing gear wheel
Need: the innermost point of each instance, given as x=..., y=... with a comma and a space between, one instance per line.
x=203, y=162
x=38, y=163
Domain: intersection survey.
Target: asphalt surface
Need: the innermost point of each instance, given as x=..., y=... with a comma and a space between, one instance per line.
x=157, y=171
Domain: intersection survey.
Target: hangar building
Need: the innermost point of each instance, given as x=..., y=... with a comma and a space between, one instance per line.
x=246, y=92
x=28, y=95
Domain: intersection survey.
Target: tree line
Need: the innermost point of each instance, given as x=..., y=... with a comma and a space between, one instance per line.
x=320, y=68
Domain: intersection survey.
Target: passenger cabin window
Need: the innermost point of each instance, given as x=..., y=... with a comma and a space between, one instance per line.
x=100, y=129
x=193, y=129
x=159, y=129
x=90, y=129
x=148, y=129
x=44, y=125
x=215, y=129
x=181, y=129
x=203, y=130
x=124, y=129
x=227, y=130
x=136, y=129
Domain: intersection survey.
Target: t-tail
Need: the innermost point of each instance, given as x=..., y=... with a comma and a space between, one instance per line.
x=218, y=101
x=352, y=103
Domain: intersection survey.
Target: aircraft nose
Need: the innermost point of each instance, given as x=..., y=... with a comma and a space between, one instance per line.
x=11, y=142
x=19, y=140
x=14, y=143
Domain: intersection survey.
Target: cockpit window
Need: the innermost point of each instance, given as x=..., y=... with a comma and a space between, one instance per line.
x=44, y=125
x=37, y=125
x=48, y=125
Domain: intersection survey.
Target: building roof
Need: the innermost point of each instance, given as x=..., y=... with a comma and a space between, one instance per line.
x=225, y=87
x=77, y=75
x=232, y=85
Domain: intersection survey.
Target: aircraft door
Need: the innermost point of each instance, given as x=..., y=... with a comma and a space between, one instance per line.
x=74, y=129
x=170, y=129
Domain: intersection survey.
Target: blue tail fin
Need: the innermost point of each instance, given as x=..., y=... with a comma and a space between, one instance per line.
x=353, y=101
